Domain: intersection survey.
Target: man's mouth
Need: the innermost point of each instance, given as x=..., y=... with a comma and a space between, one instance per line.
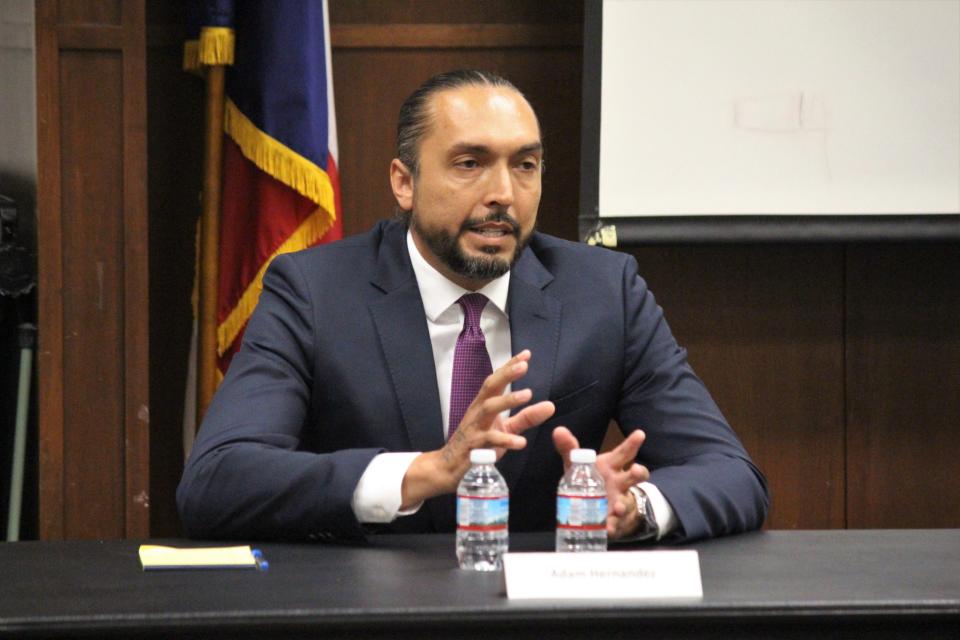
x=498, y=224
x=493, y=229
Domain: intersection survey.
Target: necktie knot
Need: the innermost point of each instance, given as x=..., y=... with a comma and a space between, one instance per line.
x=472, y=304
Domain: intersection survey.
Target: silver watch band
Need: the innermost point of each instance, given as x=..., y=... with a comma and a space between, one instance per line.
x=648, y=528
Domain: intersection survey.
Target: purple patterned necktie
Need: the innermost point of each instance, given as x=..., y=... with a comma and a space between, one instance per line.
x=471, y=362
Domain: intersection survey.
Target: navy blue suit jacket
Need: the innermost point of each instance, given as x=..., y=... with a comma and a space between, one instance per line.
x=336, y=366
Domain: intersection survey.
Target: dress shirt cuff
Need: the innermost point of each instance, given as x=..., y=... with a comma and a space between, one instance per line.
x=377, y=497
x=662, y=511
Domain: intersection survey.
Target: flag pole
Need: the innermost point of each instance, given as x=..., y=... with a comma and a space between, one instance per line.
x=209, y=240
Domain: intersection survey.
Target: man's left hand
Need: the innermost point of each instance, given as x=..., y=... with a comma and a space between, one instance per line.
x=619, y=472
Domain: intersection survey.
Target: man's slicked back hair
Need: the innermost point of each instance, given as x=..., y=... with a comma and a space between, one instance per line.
x=414, y=117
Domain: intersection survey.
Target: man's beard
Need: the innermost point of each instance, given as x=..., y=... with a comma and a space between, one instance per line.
x=447, y=247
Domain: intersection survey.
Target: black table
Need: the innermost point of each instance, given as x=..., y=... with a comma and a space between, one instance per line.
x=828, y=584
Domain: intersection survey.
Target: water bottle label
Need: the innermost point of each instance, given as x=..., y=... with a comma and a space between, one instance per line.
x=582, y=512
x=482, y=513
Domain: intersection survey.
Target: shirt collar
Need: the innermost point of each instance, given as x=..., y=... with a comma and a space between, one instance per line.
x=438, y=293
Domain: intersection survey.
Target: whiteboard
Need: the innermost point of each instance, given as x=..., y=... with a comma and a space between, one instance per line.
x=779, y=108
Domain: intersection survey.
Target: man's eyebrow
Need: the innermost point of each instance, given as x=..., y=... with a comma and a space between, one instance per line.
x=533, y=147
x=481, y=149
x=466, y=147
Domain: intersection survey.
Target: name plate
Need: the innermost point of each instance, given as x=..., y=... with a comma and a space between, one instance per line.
x=607, y=575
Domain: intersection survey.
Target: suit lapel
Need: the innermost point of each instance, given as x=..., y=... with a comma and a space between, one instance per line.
x=534, y=325
x=402, y=328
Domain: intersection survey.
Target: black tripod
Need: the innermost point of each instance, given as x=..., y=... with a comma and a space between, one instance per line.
x=17, y=279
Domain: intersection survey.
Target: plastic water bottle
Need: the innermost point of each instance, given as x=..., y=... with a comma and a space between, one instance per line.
x=582, y=505
x=483, y=506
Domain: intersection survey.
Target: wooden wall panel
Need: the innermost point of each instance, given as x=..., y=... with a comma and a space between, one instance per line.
x=91, y=150
x=93, y=307
x=903, y=381
x=764, y=329
x=95, y=12
x=418, y=12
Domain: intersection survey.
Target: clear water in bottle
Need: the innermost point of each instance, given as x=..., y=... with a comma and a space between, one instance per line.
x=483, y=505
x=582, y=505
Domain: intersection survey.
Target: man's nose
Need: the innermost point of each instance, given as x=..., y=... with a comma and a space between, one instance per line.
x=500, y=186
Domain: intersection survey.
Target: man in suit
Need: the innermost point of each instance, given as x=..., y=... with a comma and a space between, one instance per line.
x=342, y=413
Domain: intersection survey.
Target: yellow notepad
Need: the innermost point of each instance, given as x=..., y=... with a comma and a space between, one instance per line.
x=159, y=557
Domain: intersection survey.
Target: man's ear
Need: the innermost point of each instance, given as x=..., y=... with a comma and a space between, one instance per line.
x=401, y=181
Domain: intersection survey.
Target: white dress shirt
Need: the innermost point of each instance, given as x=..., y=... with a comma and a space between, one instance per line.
x=377, y=496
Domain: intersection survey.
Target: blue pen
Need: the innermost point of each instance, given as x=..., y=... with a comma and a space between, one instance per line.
x=262, y=564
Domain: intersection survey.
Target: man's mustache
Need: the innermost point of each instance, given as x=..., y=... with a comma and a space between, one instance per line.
x=499, y=216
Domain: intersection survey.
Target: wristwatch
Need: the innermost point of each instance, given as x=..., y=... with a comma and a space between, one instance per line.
x=648, y=529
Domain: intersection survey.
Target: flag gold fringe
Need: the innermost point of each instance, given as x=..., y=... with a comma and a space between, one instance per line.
x=310, y=231
x=298, y=173
x=216, y=46
x=280, y=161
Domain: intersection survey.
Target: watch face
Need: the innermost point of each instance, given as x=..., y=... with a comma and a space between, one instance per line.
x=648, y=513
x=648, y=525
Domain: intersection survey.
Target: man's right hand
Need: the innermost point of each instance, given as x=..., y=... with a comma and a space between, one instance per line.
x=437, y=472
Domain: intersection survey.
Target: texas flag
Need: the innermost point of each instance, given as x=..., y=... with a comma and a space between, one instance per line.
x=280, y=186
x=280, y=190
